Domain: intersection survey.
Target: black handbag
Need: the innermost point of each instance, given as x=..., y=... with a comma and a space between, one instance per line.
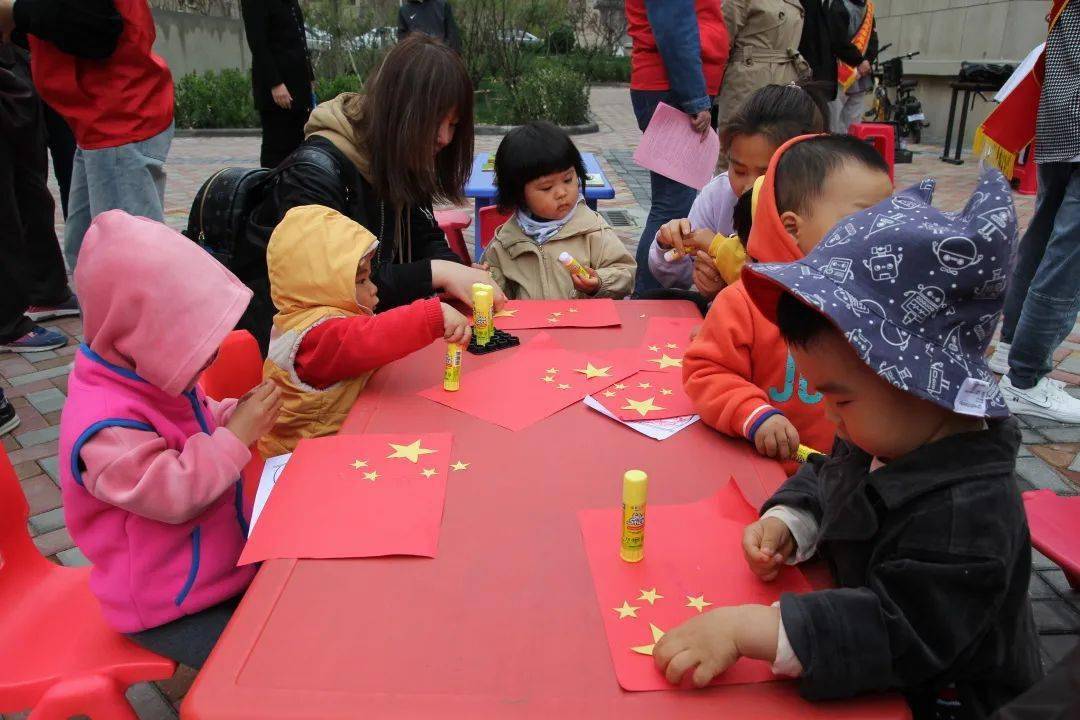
x=994, y=74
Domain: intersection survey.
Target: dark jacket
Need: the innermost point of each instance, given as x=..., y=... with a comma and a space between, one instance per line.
x=842, y=29
x=931, y=558
x=279, y=52
x=84, y=28
x=432, y=17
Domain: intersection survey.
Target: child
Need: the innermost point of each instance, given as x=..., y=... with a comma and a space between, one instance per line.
x=738, y=373
x=326, y=340
x=540, y=176
x=917, y=510
x=769, y=118
x=149, y=465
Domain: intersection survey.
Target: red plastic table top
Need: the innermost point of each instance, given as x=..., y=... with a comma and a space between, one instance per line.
x=504, y=622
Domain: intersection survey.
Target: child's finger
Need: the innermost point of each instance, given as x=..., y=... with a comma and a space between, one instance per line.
x=679, y=665
x=704, y=674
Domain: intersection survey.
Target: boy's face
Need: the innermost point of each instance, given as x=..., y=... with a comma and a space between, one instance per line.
x=367, y=295
x=869, y=412
x=552, y=196
x=848, y=189
x=748, y=159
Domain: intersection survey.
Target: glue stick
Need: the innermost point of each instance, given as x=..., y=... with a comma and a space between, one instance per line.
x=452, y=375
x=483, y=308
x=803, y=453
x=574, y=266
x=673, y=254
x=634, y=486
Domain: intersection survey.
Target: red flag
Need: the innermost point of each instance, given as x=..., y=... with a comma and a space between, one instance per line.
x=646, y=396
x=524, y=314
x=666, y=340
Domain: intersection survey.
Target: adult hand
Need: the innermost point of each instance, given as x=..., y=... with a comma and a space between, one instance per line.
x=7, y=19
x=457, y=280
x=707, y=278
x=281, y=96
x=701, y=122
x=864, y=68
x=256, y=413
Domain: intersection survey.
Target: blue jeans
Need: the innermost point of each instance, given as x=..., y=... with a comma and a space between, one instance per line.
x=127, y=177
x=1044, y=295
x=670, y=199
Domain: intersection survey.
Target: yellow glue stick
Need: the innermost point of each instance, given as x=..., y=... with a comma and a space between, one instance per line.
x=803, y=453
x=452, y=375
x=483, y=309
x=673, y=254
x=574, y=266
x=634, y=486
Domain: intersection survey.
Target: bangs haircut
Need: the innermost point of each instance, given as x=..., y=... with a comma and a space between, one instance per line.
x=805, y=166
x=799, y=323
x=529, y=152
x=420, y=82
x=742, y=217
x=779, y=112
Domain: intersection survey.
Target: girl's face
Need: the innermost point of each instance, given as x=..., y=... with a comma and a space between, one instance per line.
x=367, y=295
x=748, y=159
x=551, y=197
x=447, y=128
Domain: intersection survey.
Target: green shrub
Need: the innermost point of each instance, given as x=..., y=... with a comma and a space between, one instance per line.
x=215, y=100
x=599, y=68
x=328, y=88
x=561, y=40
x=546, y=92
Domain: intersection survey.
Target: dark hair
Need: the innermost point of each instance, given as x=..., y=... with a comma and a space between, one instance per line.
x=798, y=322
x=803, y=168
x=528, y=152
x=779, y=112
x=742, y=216
x=419, y=83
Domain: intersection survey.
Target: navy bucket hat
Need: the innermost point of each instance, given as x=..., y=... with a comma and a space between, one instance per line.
x=916, y=291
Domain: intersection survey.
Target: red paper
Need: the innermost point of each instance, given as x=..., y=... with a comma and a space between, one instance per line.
x=646, y=396
x=532, y=382
x=666, y=339
x=524, y=314
x=691, y=551
x=345, y=497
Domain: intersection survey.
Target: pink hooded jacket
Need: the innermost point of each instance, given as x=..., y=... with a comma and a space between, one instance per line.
x=150, y=480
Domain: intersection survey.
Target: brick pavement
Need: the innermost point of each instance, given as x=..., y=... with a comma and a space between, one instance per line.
x=37, y=384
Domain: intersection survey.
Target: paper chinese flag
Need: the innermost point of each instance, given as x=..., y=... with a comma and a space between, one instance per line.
x=646, y=396
x=693, y=563
x=523, y=314
x=666, y=340
x=350, y=496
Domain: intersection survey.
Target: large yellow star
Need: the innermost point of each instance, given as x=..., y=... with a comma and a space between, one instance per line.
x=372, y=476
x=665, y=362
x=506, y=312
x=627, y=610
x=657, y=633
x=590, y=371
x=428, y=472
x=698, y=602
x=650, y=596
x=410, y=452
x=460, y=465
x=357, y=464
x=643, y=407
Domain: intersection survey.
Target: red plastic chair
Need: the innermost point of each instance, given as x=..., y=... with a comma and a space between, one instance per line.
x=59, y=657
x=883, y=135
x=1052, y=520
x=1026, y=175
x=452, y=222
x=490, y=220
x=237, y=368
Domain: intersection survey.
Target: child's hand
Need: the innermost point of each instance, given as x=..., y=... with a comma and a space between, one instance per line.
x=707, y=278
x=767, y=544
x=777, y=438
x=705, y=645
x=256, y=413
x=456, y=328
x=590, y=286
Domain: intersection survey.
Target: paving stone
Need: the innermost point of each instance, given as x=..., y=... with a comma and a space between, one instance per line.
x=1067, y=434
x=1039, y=423
x=40, y=375
x=47, y=521
x=1075, y=466
x=50, y=466
x=36, y=437
x=41, y=493
x=37, y=357
x=1039, y=589
x=1056, y=579
x=1041, y=476
x=33, y=453
x=149, y=703
x=53, y=542
x=1057, y=647
x=72, y=557
x=1071, y=364
x=1055, y=616
x=1041, y=562
x=1032, y=437
x=47, y=401
x=1024, y=452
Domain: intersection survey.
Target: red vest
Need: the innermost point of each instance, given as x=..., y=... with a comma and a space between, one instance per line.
x=647, y=67
x=126, y=98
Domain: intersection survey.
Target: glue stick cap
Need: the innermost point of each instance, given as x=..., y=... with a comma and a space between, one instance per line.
x=635, y=486
x=480, y=287
x=565, y=257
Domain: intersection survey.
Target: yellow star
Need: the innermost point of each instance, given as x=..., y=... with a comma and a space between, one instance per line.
x=620, y=386
x=357, y=464
x=556, y=314
x=641, y=315
x=654, y=348
x=372, y=476
x=428, y=472
x=563, y=386
x=657, y=633
x=672, y=346
x=460, y=465
x=411, y=452
x=553, y=320
x=665, y=391
x=666, y=362
x=552, y=371
x=548, y=379
x=506, y=313
x=651, y=596
x=571, y=309
x=698, y=602
x=609, y=393
x=643, y=407
x=627, y=610
x=644, y=386
x=590, y=372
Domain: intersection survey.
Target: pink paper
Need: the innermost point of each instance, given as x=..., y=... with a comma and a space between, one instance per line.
x=672, y=148
x=345, y=497
x=691, y=551
x=524, y=314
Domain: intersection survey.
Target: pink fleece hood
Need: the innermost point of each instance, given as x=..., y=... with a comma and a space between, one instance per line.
x=153, y=301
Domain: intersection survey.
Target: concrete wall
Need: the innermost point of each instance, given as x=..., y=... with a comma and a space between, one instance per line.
x=190, y=42
x=948, y=31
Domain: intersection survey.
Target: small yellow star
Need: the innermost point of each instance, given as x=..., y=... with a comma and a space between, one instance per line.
x=654, y=348
x=410, y=452
x=553, y=320
x=609, y=393
x=644, y=407
x=665, y=391
x=657, y=633
x=571, y=309
x=372, y=476
x=460, y=465
x=644, y=386
x=698, y=602
x=590, y=372
x=641, y=315
x=548, y=379
x=428, y=472
x=651, y=596
x=627, y=610
x=506, y=313
x=666, y=362
x=672, y=346
x=357, y=464
x=552, y=371
x=563, y=386
x=556, y=314
x=620, y=386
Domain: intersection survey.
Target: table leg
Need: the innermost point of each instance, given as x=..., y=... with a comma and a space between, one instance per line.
x=949, y=127
x=477, y=252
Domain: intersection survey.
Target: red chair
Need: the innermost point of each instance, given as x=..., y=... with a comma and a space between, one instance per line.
x=452, y=222
x=59, y=657
x=490, y=220
x=1052, y=520
x=883, y=135
x=237, y=368
x=1026, y=175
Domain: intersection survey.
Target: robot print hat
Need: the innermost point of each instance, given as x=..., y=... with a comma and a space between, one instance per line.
x=916, y=291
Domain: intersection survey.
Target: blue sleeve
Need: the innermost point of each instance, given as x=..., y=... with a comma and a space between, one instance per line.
x=674, y=25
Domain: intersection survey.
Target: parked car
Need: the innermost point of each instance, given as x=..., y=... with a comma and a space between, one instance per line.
x=522, y=37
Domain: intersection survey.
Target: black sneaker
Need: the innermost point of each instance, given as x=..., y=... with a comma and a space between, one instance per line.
x=8, y=419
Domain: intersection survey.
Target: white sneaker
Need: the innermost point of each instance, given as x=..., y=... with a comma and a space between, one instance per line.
x=999, y=361
x=1047, y=399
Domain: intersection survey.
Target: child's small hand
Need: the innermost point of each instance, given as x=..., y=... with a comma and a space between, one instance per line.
x=256, y=413
x=456, y=328
x=707, y=278
x=777, y=438
x=767, y=544
x=590, y=286
x=705, y=645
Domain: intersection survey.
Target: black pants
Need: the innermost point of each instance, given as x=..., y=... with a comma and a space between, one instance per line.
x=283, y=131
x=62, y=148
x=190, y=639
x=31, y=266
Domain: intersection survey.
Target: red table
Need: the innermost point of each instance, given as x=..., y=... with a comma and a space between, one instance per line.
x=504, y=622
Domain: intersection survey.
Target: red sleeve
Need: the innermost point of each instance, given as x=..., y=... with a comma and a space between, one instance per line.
x=343, y=348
